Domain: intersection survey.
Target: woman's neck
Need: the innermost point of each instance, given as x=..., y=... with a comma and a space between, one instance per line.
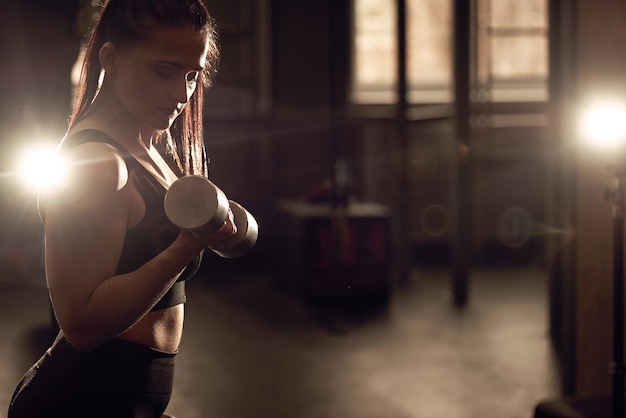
x=108, y=115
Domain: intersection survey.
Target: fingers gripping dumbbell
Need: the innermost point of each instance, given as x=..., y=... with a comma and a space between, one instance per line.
x=195, y=204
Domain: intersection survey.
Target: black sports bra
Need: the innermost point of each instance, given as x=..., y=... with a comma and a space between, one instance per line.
x=154, y=232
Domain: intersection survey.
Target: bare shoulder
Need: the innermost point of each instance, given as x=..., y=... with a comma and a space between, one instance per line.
x=98, y=162
x=96, y=174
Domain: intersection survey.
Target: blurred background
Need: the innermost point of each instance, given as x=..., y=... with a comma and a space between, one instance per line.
x=434, y=240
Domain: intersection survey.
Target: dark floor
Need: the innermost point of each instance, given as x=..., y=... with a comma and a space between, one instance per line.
x=252, y=352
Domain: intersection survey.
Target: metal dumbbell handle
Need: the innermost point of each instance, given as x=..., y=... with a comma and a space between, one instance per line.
x=197, y=205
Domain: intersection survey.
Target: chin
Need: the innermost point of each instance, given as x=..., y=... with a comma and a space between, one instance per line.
x=162, y=125
x=160, y=120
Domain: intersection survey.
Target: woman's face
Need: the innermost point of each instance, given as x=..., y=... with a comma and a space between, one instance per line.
x=155, y=78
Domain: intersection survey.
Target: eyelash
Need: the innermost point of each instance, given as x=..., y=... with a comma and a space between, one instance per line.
x=163, y=73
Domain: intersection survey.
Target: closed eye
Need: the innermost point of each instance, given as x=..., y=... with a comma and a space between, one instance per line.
x=164, y=72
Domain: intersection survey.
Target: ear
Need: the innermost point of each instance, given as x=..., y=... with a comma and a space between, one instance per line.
x=108, y=58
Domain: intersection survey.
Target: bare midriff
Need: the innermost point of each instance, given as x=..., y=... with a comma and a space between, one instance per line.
x=162, y=329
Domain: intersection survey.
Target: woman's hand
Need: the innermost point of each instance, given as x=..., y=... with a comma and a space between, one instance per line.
x=190, y=244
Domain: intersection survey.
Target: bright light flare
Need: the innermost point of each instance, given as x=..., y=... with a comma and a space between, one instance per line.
x=42, y=167
x=604, y=125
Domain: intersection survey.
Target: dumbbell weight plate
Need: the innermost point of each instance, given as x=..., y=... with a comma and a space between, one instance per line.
x=246, y=236
x=197, y=205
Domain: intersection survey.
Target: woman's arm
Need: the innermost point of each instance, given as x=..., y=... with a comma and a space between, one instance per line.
x=86, y=224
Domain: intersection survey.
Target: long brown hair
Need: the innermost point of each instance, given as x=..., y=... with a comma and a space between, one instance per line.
x=126, y=21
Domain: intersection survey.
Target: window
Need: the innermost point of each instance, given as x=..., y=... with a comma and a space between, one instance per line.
x=429, y=51
x=375, y=52
x=510, y=50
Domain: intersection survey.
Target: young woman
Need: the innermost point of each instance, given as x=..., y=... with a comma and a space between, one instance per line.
x=115, y=266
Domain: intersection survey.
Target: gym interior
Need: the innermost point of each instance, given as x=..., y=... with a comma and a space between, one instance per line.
x=436, y=236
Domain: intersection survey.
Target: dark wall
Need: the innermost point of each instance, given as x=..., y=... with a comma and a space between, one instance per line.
x=38, y=46
x=274, y=116
x=301, y=72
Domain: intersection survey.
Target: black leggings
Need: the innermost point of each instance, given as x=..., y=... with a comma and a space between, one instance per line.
x=119, y=379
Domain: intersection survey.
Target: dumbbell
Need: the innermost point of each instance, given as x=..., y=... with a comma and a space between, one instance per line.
x=195, y=204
